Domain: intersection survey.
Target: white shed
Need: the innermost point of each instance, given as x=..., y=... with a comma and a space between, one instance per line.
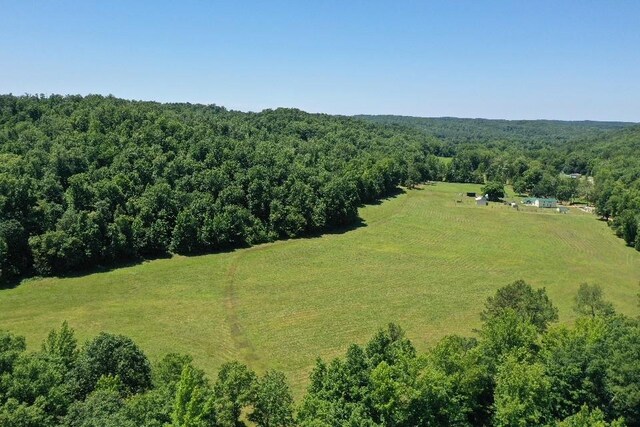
x=545, y=203
x=482, y=201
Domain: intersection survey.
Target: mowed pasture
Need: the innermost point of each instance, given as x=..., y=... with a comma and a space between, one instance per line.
x=419, y=259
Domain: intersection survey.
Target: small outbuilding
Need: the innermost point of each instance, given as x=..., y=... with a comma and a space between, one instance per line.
x=482, y=201
x=545, y=203
x=562, y=209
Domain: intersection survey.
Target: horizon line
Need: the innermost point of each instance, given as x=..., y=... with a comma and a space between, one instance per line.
x=197, y=103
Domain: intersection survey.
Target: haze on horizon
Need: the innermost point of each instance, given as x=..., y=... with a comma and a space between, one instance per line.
x=564, y=60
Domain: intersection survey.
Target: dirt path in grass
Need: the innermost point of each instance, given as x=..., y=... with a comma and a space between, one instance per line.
x=239, y=337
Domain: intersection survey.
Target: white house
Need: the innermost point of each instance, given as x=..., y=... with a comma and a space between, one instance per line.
x=545, y=203
x=482, y=201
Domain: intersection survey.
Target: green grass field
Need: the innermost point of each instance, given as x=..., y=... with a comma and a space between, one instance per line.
x=421, y=260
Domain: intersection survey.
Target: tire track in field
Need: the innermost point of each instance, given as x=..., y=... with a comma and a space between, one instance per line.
x=238, y=336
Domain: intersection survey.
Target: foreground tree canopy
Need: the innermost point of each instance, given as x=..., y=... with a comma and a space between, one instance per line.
x=522, y=369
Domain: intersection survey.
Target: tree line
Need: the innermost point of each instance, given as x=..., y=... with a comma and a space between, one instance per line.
x=87, y=181
x=521, y=368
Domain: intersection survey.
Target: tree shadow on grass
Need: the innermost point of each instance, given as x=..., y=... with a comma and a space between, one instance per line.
x=105, y=268
x=11, y=283
x=358, y=222
x=81, y=272
x=339, y=229
x=398, y=191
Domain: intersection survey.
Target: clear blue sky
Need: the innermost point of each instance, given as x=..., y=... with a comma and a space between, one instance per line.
x=496, y=59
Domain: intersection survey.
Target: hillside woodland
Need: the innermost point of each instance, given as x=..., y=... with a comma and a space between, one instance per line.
x=99, y=180
x=521, y=369
x=96, y=181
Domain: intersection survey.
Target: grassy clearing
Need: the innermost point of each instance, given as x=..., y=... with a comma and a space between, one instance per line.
x=421, y=260
x=445, y=160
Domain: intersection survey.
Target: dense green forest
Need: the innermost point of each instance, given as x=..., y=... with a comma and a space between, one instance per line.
x=522, y=369
x=88, y=181
x=93, y=181
x=537, y=157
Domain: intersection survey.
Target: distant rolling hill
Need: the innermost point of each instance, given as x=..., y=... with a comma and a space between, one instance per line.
x=461, y=130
